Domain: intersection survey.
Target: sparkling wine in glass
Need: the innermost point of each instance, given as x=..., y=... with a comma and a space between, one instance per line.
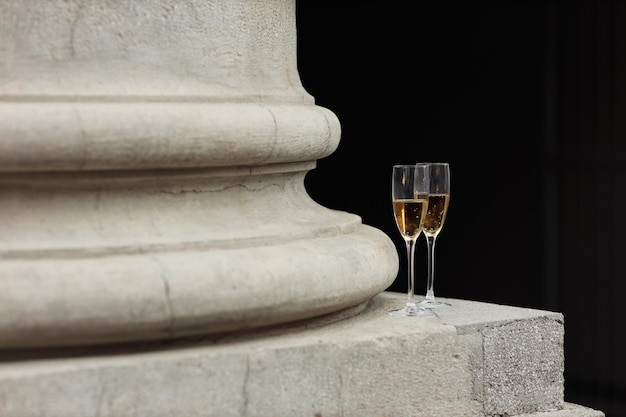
x=438, y=201
x=409, y=196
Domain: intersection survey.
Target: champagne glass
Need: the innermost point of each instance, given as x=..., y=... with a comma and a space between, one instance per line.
x=409, y=195
x=438, y=201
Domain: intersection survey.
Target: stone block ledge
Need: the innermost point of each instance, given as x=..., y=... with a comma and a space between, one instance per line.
x=474, y=359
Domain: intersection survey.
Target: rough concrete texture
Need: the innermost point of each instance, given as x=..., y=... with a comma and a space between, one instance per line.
x=360, y=362
x=523, y=356
x=523, y=366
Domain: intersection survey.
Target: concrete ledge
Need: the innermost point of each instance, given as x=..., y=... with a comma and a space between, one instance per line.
x=523, y=360
x=474, y=359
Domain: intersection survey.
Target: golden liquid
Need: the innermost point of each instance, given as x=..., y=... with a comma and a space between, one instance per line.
x=409, y=216
x=436, y=213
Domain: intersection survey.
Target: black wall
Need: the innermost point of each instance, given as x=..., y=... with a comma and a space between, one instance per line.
x=525, y=100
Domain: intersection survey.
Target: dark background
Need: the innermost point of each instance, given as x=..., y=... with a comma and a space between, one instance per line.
x=527, y=102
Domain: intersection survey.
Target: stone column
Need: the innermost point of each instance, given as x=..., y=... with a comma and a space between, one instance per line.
x=152, y=164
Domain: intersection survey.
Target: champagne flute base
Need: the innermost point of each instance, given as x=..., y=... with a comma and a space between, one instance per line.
x=430, y=304
x=411, y=311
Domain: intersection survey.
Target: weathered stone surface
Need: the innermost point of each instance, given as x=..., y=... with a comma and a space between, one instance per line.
x=354, y=363
x=523, y=366
x=523, y=357
x=152, y=164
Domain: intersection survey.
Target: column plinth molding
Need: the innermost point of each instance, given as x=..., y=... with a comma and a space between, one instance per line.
x=152, y=165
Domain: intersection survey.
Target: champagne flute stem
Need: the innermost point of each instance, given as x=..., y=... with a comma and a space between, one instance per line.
x=430, y=292
x=410, y=253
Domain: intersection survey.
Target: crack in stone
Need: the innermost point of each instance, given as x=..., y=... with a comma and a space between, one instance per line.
x=166, y=295
x=83, y=136
x=101, y=393
x=273, y=147
x=200, y=191
x=244, y=405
